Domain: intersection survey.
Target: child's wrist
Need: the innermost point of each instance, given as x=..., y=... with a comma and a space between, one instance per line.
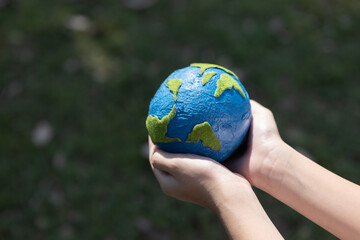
x=274, y=167
x=239, y=194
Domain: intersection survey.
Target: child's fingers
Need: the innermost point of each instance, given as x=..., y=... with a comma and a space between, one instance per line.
x=161, y=176
x=174, y=163
x=164, y=161
x=167, y=182
x=256, y=107
x=259, y=110
x=151, y=147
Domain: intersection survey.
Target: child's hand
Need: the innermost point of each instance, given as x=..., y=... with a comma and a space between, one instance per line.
x=263, y=145
x=205, y=182
x=197, y=179
x=276, y=168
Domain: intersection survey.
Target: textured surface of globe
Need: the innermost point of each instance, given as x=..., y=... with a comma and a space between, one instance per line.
x=201, y=109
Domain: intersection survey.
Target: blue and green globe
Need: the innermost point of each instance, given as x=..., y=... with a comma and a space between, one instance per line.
x=202, y=109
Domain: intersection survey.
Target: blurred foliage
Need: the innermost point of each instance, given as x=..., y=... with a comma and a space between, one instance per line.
x=76, y=78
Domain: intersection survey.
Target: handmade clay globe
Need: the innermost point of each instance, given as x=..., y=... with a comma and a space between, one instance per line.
x=201, y=109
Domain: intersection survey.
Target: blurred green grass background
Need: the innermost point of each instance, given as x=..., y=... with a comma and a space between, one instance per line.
x=76, y=78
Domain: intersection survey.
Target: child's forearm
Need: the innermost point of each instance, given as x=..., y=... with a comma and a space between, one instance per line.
x=322, y=196
x=246, y=219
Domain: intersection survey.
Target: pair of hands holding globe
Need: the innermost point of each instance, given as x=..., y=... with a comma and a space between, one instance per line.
x=208, y=183
x=202, y=123
x=226, y=189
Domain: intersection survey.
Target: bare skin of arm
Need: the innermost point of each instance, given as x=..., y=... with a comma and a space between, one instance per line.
x=320, y=195
x=207, y=183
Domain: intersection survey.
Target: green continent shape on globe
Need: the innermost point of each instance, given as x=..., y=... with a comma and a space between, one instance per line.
x=157, y=128
x=207, y=77
x=174, y=85
x=204, y=132
x=204, y=66
x=227, y=82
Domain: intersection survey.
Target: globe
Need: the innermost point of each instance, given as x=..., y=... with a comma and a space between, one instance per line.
x=202, y=109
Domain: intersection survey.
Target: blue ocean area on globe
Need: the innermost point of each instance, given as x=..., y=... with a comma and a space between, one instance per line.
x=202, y=109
